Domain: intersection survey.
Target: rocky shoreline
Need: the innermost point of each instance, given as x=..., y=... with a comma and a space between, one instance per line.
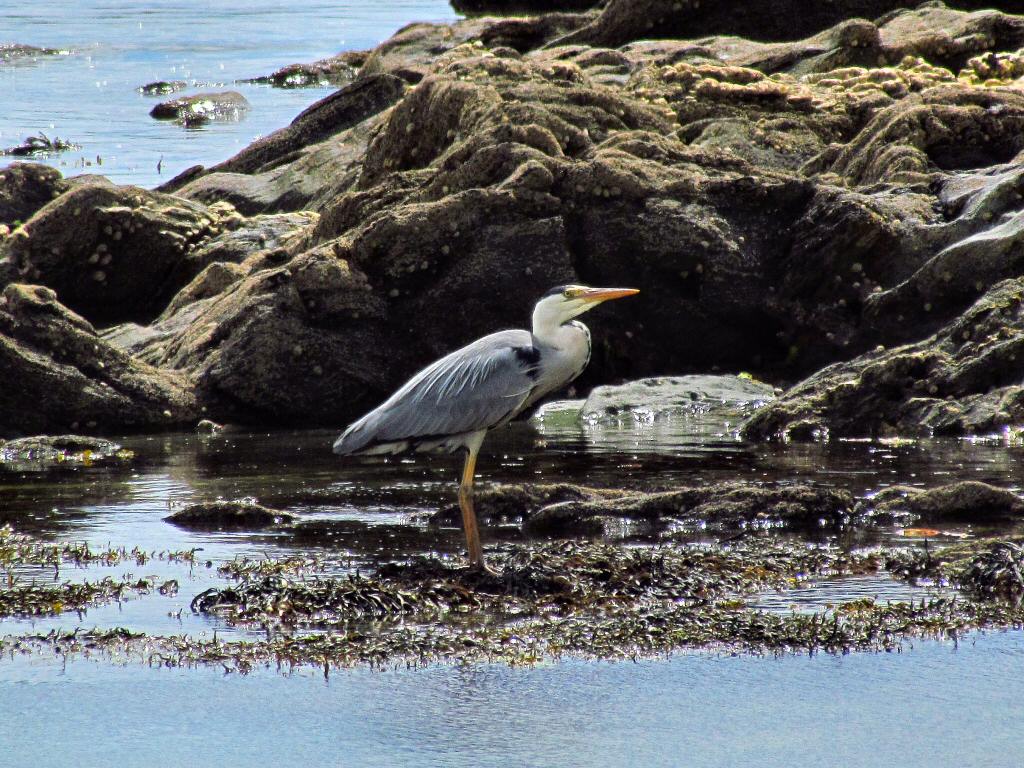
x=839, y=200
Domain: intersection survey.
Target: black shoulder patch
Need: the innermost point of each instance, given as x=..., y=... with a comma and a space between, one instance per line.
x=529, y=359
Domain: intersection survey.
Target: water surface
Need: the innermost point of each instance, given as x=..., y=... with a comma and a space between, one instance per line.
x=89, y=96
x=934, y=704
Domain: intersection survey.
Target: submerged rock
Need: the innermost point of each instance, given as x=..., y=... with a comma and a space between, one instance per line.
x=968, y=501
x=202, y=108
x=565, y=509
x=14, y=52
x=228, y=515
x=162, y=87
x=651, y=398
x=52, y=450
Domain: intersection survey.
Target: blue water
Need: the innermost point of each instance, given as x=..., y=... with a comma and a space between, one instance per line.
x=89, y=96
x=932, y=707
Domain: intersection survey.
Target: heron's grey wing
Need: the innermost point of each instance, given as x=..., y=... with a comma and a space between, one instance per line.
x=473, y=388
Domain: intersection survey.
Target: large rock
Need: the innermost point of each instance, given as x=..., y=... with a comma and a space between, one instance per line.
x=112, y=253
x=623, y=21
x=59, y=376
x=783, y=204
x=967, y=378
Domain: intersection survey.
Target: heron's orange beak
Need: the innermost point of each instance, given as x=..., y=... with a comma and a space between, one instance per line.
x=604, y=294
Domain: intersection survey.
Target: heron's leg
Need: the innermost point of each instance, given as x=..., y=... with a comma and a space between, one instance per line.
x=476, y=551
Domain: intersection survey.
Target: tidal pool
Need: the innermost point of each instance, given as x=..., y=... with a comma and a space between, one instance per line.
x=933, y=703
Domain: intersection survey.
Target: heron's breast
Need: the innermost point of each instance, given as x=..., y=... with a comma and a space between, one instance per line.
x=565, y=361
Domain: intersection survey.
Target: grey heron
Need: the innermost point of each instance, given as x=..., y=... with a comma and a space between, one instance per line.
x=452, y=403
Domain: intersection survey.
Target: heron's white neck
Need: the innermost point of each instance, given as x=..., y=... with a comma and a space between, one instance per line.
x=548, y=321
x=559, y=333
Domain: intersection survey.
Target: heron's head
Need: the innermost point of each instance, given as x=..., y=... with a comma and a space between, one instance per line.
x=564, y=302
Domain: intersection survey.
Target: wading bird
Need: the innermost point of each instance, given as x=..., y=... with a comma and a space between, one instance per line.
x=451, y=404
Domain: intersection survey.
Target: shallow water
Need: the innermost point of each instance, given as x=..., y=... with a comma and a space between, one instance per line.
x=933, y=706
x=89, y=96
x=924, y=706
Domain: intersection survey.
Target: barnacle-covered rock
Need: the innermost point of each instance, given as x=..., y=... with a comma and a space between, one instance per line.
x=111, y=252
x=25, y=188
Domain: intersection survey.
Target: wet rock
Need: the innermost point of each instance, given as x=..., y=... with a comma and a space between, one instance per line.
x=651, y=398
x=16, y=52
x=25, y=188
x=112, y=253
x=967, y=502
x=53, y=450
x=201, y=108
x=337, y=70
x=37, y=146
x=61, y=376
x=228, y=516
x=965, y=379
x=559, y=413
x=162, y=87
x=207, y=427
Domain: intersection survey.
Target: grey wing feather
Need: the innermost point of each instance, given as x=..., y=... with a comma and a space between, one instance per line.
x=472, y=389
